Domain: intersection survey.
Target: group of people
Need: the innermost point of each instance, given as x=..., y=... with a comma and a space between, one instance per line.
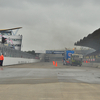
x=1, y=59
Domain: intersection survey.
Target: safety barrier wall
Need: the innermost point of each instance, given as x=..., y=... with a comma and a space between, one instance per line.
x=91, y=64
x=13, y=61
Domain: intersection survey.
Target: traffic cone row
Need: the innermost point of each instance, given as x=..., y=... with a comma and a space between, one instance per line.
x=55, y=63
x=86, y=61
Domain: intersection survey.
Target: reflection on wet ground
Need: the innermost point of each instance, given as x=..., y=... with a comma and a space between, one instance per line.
x=47, y=73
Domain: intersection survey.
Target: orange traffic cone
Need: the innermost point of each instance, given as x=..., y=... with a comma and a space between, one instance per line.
x=56, y=64
x=53, y=62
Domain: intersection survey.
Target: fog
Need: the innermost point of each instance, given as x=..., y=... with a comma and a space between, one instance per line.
x=50, y=24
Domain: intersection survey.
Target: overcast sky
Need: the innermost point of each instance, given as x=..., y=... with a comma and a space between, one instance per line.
x=50, y=24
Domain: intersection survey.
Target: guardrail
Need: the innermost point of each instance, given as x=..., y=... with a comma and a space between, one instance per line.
x=13, y=61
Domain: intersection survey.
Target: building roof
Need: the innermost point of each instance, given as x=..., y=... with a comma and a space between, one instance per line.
x=94, y=53
x=1, y=30
x=92, y=40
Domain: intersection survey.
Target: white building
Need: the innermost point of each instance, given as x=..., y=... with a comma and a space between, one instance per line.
x=13, y=40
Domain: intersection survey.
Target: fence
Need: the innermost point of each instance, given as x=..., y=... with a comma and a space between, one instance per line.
x=10, y=52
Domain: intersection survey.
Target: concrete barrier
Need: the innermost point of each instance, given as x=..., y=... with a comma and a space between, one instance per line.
x=13, y=61
x=96, y=65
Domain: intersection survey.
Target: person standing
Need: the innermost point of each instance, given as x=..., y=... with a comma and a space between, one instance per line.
x=1, y=59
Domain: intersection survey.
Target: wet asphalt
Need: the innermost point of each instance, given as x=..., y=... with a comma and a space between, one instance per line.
x=46, y=72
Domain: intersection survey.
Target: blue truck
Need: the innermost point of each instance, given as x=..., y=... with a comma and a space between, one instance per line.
x=67, y=56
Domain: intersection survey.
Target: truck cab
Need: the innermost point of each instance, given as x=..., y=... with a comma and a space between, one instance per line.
x=76, y=59
x=67, y=56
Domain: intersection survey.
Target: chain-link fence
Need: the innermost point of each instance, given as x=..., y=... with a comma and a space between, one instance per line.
x=9, y=52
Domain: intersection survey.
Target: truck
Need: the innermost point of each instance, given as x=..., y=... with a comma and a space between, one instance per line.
x=76, y=59
x=70, y=58
x=46, y=58
x=67, y=56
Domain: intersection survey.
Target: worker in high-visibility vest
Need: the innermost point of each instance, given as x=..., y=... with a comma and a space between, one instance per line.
x=1, y=59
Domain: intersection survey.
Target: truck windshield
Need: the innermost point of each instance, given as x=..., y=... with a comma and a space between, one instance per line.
x=75, y=56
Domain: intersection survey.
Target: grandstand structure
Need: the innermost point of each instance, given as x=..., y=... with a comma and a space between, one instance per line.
x=12, y=48
x=91, y=41
x=10, y=52
x=13, y=40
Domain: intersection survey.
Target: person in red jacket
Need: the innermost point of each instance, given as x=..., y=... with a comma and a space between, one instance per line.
x=1, y=59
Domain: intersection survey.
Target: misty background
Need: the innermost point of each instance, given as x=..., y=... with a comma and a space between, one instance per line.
x=50, y=24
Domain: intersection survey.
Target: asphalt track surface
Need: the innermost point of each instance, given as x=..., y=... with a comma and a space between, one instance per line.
x=44, y=81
